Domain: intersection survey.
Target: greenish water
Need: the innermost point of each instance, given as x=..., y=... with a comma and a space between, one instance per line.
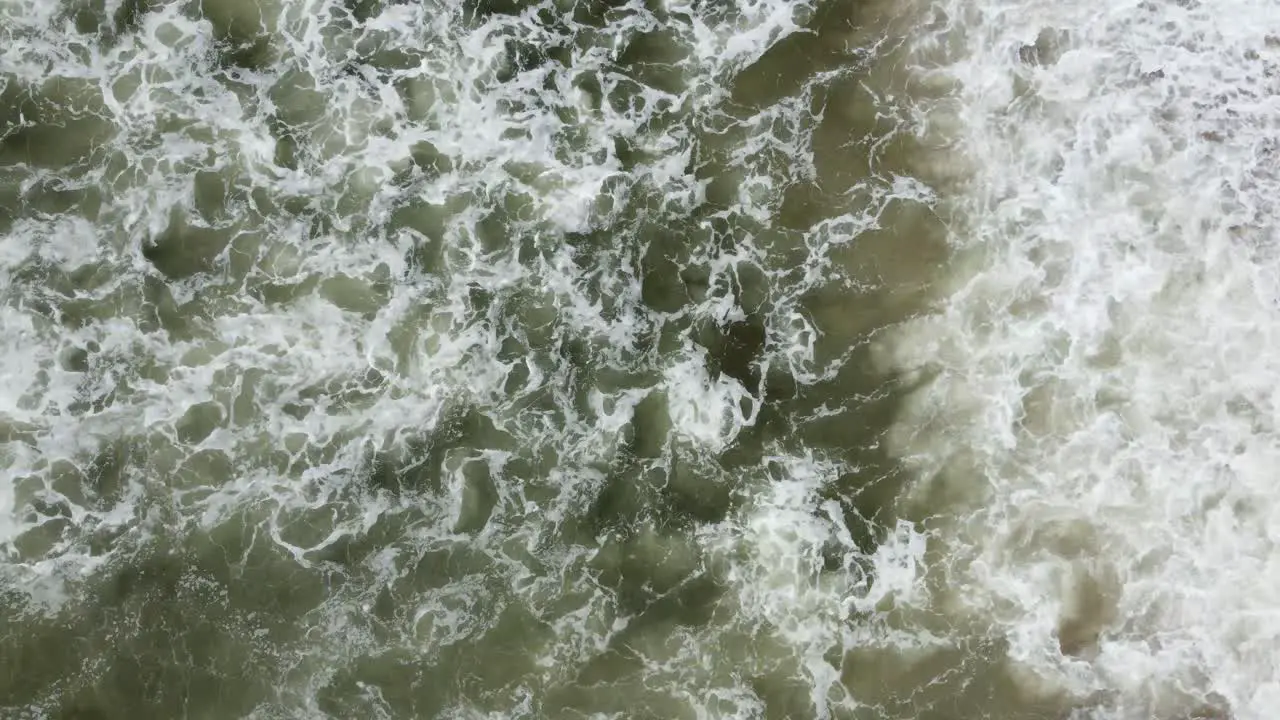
x=449, y=359
x=502, y=359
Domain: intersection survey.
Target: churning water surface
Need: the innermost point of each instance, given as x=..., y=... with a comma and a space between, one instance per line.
x=654, y=359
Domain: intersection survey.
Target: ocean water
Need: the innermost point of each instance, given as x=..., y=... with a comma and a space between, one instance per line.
x=647, y=359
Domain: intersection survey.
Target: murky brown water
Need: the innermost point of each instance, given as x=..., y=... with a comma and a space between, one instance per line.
x=572, y=359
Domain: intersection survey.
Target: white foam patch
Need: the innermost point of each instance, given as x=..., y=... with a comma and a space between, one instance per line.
x=777, y=555
x=1100, y=422
x=708, y=411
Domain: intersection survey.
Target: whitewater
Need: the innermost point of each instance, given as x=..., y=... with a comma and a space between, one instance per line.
x=639, y=359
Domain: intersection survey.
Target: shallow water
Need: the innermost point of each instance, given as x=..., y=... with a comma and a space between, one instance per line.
x=761, y=359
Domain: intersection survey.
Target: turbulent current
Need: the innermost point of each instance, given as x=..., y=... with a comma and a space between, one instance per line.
x=866, y=359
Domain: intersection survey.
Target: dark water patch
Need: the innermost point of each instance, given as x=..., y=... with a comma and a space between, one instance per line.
x=545, y=57
x=421, y=464
x=654, y=60
x=39, y=657
x=52, y=146
x=167, y=664
x=357, y=296
x=856, y=138
x=772, y=430
x=184, y=248
x=53, y=122
x=650, y=428
x=737, y=350
x=108, y=474
x=350, y=555
x=364, y=10
x=693, y=493
x=283, y=291
x=423, y=680
x=11, y=196
x=658, y=599
x=399, y=681
x=823, y=45
x=478, y=11
x=846, y=418
x=479, y=497
x=663, y=289
x=157, y=636
x=623, y=501
x=198, y=422
x=53, y=528
x=965, y=681
x=785, y=696
x=599, y=13
x=179, y=321
x=92, y=17
x=242, y=32
x=55, y=196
